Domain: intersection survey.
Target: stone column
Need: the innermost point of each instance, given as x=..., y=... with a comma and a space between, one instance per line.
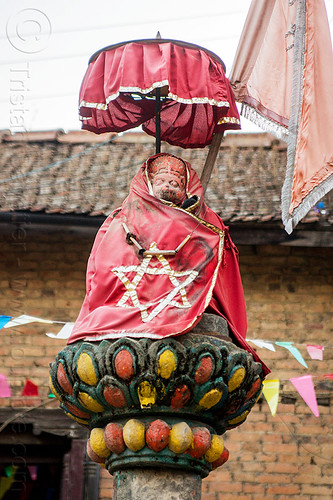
x=150, y=484
x=157, y=409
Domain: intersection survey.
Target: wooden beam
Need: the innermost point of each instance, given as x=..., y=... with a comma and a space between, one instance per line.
x=210, y=160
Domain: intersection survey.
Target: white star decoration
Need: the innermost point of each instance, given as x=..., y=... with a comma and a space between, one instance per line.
x=141, y=270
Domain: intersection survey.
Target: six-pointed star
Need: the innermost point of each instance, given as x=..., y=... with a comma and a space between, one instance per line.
x=141, y=270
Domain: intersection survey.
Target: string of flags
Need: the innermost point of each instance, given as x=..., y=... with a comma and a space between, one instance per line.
x=303, y=385
x=29, y=389
x=315, y=351
x=24, y=319
x=271, y=388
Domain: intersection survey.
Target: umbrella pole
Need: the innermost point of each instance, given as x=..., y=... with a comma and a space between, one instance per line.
x=158, y=120
x=210, y=160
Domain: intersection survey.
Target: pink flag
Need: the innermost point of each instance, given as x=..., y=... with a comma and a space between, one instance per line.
x=304, y=386
x=315, y=351
x=33, y=469
x=283, y=75
x=4, y=387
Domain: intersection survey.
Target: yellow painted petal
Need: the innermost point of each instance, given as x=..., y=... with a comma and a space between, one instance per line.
x=239, y=419
x=97, y=443
x=167, y=364
x=51, y=386
x=210, y=399
x=86, y=370
x=180, y=438
x=90, y=403
x=236, y=379
x=134, y=434
x=215, y=450
x=147, y=394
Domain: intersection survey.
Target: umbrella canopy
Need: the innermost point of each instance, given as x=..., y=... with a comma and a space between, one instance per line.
x=123, y=82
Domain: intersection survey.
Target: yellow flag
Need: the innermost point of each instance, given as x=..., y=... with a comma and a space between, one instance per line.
x=271, y=390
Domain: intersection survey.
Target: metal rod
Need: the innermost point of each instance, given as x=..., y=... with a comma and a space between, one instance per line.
x=210, y=160
x=158, y=120
x=133, y=240
x=147, y=253
x=167, y=252
x=156, y=251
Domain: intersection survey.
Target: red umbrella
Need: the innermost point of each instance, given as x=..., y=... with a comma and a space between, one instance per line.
x=177, y=91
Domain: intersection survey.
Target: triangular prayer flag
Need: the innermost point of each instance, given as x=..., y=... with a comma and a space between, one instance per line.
x=24, y=319
x=30, y=389
x=7, y=481
x=304, y=385
x=262, y=343
x=8, y=470
x=33, y=469
x=4, y=320
x=4, y=387
x=64, y=333
x=271, y=389
x=315, y=351
x=294, y=351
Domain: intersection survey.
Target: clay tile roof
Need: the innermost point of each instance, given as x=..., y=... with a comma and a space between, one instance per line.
x=82, y=173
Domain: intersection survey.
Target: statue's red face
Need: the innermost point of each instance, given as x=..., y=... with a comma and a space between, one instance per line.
x=168, y=179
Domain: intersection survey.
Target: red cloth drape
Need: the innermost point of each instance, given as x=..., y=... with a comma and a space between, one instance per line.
x=199, y=100
x=128, y=295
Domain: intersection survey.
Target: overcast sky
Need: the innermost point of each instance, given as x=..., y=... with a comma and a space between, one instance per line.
x=46, y=46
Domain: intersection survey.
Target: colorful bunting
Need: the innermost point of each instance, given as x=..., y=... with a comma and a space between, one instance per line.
x=271, y=389
x=30, y=389
x=64, y=333
x=4, y=320
x=263, y=343
x=5, y=391
x=294, y=351
x=315, y=351
x=24, y=319
x=304, y=385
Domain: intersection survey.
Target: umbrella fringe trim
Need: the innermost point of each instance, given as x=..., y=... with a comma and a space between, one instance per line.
x=163, y=83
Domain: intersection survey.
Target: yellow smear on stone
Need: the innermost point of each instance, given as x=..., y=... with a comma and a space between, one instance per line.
x=236, y=379
x=97, y=443
x=259, y=395
x=78, y=420
x=239, y=419
x=167, y=364
x=86, y=370
x=134, y=434
x=215, y=450
x=147, y=394
x=180, y=438
x=210, y=399
x=51, y=386
x=90, y=403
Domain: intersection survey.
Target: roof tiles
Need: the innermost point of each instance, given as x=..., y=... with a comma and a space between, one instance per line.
x=81, y=173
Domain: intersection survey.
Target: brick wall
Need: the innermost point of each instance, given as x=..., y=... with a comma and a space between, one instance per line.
x=289, y=294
